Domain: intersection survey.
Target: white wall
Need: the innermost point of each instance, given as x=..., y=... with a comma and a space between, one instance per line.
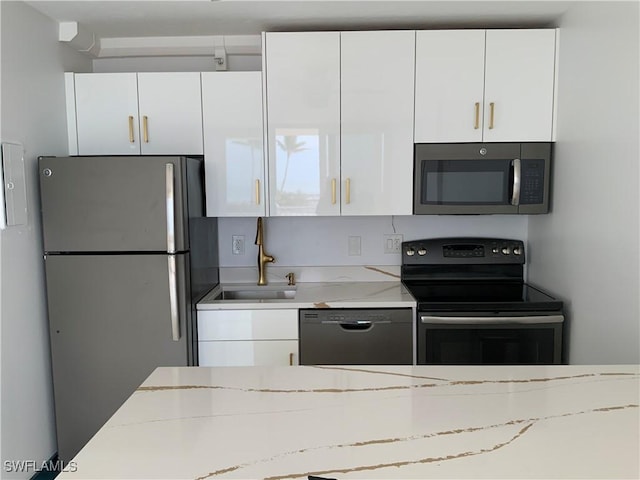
x=33, y=114
x=586, y=250
x=322, y=241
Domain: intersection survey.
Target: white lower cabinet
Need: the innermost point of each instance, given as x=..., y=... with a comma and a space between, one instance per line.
x=247, y=337
x=241, y=353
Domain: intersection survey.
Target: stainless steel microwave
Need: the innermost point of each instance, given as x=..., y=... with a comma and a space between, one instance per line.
x=481, y=178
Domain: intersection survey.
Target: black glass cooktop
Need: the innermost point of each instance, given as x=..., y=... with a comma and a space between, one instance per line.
x=480, y=296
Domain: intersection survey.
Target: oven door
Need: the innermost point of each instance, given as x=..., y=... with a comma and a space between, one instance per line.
x=495, y=340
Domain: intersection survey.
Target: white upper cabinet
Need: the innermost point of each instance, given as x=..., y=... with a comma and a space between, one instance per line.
x=449, y=86
x=519, y=85
x=484, y=85
x=303, y=122
x=233, y=143
x=170, y=113
x=377, y=80
x=144, y=113
x=107, y=114
x=340, y=122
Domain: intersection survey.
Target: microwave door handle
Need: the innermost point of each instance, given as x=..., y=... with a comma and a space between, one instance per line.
x=515, y=197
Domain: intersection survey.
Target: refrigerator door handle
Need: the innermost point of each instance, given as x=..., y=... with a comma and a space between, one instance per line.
x=173, y=298
x=171, y=206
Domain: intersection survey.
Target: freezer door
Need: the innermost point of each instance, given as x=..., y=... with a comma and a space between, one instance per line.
x=119, y=204
x=110, y=327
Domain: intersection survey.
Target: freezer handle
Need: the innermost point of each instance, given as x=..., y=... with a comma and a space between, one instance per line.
x=173, y=298
x=171, y=206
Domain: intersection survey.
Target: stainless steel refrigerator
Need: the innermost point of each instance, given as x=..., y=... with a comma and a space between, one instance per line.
x=128, y=253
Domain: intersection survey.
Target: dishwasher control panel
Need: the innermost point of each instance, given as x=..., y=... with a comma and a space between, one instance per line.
x=357, y=316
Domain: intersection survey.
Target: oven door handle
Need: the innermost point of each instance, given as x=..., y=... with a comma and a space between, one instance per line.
x=493, y=320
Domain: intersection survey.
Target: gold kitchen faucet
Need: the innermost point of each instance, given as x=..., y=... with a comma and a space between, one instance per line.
x=263, y=258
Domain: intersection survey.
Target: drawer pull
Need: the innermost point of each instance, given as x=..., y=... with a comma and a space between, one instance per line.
x=348, y=192
x=145, y=128
x=131, y=138
x=476, y=124
x=492, y=107
x=333, y=191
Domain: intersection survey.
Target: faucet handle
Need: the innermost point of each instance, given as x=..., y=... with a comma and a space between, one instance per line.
x=291, y=277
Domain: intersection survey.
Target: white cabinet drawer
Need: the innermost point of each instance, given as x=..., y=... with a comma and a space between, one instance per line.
x=248, y=353
x=248, y=324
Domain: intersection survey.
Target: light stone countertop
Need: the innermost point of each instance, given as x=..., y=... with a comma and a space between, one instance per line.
x=318, y=295
x=390, y=422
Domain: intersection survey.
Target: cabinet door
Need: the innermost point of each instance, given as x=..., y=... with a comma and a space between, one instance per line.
x=449, y=86
x=248, y=353
x=303, y=122
x=170, y=106
x=271, y=324
x=234, y=160
x=107, y=113
x=519, y=83
x=377, y=82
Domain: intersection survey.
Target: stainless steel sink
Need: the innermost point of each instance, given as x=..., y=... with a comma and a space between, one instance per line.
x=257, y=293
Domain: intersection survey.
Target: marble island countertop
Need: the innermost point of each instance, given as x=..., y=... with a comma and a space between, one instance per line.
x=373, y=422
x=316, y=295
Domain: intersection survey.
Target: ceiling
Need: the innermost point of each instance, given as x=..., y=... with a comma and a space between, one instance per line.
x=150, y=18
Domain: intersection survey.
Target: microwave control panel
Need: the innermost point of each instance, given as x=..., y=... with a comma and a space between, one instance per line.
x=532, y=182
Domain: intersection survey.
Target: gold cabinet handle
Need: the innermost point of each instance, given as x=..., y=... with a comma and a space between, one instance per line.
x=492, y=107
x=131, y=139
x=348, y=191
x=476, y=124
x=333, y=191
x=257, y=192
x=291, y=359
x=145, y=129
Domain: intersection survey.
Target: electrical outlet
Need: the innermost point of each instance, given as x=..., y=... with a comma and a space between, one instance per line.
x=392, y=243
x=237, y=244
x=355, y=245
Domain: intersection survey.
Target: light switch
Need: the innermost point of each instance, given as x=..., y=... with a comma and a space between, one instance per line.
x=14, y=191
x=392, y=243
x=355, y=245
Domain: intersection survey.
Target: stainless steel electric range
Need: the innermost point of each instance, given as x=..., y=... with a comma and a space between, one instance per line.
x=473, y=306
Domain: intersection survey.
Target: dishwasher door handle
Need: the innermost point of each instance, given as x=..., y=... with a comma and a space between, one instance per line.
x=354, y=322
x=353, y=325
x=356, y=325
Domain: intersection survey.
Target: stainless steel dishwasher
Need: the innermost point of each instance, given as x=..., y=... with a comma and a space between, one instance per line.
x=377, y=336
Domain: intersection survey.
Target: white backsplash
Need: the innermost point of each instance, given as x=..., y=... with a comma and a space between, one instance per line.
x=307, y=273
x=298, y=242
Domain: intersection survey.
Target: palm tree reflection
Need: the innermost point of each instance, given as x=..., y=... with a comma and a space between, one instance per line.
x=290, y=145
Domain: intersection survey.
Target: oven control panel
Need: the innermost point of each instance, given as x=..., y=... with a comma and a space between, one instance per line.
x=435, y=251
